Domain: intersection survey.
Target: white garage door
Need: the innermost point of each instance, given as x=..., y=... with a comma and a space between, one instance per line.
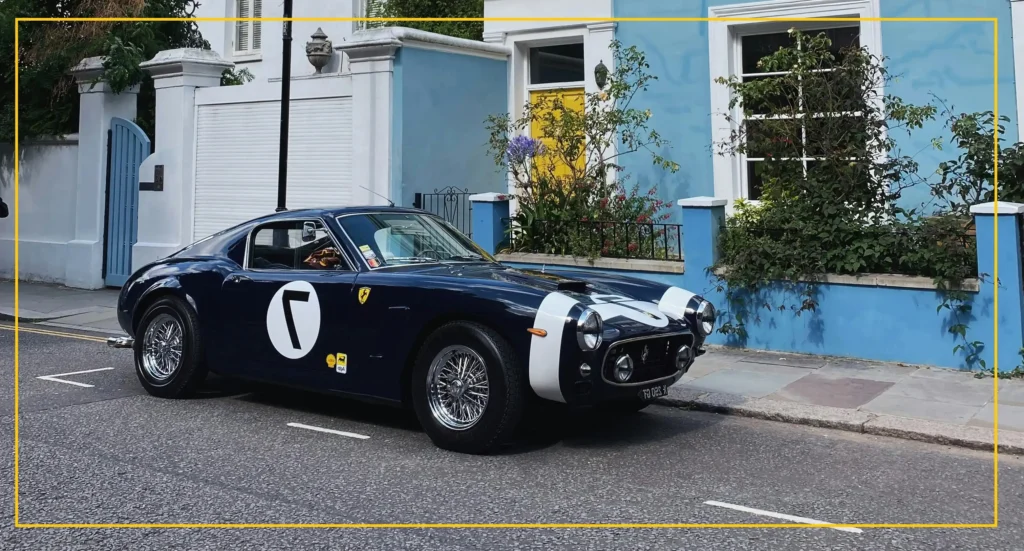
x=237, y=155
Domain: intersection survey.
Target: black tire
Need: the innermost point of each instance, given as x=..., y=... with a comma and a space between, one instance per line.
x=506, y=397
x=191, y=369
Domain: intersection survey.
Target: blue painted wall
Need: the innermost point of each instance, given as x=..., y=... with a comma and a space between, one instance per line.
x=952, y=60
x=439, y=139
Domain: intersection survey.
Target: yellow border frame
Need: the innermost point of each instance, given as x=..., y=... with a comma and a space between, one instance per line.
x=995, y=278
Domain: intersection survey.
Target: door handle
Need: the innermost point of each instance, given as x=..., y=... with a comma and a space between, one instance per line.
x=238, y=279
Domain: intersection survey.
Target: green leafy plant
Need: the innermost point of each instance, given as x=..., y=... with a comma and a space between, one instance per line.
x=831, y=179
x=572, y=194
x=472, y=30
x=47, y=51
x=231, y=77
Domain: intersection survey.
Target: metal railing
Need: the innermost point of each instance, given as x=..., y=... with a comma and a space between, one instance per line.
x=598, y=238
x=450, y=203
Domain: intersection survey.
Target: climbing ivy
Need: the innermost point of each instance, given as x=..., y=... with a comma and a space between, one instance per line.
x=831, y=179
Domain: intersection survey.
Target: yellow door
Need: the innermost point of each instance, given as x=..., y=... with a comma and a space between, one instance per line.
x=572, y=98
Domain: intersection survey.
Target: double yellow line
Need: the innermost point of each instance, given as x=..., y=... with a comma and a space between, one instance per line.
x=51, y=333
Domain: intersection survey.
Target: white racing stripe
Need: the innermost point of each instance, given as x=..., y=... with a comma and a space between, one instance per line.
x=56, y=380
x=782, y=516
x=330, y=431
x=546, y=351
x=673, y=302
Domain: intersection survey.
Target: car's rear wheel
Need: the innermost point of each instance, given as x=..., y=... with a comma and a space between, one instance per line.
x=168, y=350
x=467, y=389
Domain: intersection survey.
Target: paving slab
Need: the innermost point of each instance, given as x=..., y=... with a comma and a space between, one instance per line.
x=754, y=384
x=1010, y=417
x=833, y=391
x=1011, y=392
x=916, y=408
x=874, y=371
x=953, y=388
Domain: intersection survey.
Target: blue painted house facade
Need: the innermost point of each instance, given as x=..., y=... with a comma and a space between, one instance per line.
x=952, y=64
x=948, y=61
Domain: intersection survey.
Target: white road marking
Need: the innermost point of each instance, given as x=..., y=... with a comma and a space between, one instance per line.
x=778, y=515
x=56, y=380
x=331, y=431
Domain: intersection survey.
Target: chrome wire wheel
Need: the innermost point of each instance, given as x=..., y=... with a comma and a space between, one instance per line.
x=162, y=347
x=457, y=387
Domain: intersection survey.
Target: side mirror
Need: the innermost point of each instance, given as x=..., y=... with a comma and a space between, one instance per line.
x=308, y=232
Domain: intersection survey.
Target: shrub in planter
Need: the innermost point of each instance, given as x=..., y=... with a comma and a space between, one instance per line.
x=571, y=194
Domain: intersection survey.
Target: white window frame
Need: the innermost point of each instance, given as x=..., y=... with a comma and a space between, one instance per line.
x=251, y=53
x=724, y=43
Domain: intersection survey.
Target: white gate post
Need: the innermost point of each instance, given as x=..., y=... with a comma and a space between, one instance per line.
x=84, y=264
x=165, y=217
x=372, y=64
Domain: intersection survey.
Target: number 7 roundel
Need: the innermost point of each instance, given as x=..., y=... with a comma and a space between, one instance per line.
x=293, y=319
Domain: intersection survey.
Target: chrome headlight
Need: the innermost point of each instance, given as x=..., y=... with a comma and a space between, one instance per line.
x=623, y=368
x=705, y=318
x=588, y=330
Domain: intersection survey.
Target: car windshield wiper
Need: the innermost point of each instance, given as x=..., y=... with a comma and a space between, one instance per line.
x=465, y=257
x=411, y=259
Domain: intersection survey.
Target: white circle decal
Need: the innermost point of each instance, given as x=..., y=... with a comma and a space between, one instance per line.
x=293, y=319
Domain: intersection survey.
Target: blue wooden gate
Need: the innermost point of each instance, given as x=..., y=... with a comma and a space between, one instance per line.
x=127, y=147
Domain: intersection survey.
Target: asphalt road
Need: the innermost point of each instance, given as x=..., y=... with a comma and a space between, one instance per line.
x=109, y=453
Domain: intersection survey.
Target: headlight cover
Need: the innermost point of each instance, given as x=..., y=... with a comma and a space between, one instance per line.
x=588, y=330
x=705, y=318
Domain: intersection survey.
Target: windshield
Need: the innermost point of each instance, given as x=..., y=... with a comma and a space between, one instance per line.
x=400, y=238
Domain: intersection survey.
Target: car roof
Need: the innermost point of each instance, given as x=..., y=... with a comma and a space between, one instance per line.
x=331, y=212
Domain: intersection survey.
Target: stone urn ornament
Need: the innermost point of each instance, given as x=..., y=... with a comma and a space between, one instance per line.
x=318, y=50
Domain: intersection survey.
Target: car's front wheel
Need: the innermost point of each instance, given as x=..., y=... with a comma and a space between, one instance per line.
x=467, y=389
x=168, y=350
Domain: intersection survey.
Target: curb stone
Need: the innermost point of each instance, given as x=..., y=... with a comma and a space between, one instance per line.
x=1010, y=442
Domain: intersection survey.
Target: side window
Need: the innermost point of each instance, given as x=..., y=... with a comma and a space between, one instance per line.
x=294, y=245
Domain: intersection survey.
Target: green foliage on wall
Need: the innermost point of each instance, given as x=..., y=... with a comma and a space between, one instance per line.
x=472, y=30
x=48, y=95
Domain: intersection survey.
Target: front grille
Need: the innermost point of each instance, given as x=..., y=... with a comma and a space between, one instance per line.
x=660, y=362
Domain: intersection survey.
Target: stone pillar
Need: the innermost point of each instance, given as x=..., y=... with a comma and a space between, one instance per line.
x=702, y=221
x=84, y=257
x=372, y=66
x=490, y=220
x=1010, y=303
x=165, y=217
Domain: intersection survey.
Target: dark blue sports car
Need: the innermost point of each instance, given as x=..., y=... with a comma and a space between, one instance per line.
x=395, y=305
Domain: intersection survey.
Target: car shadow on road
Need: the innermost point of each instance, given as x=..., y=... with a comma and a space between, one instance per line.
x=344, y=408
x=595, y=429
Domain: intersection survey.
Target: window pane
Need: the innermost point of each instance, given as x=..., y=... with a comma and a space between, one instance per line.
x=286, y=246
x=388, y=239
x=776, y=138
x=842, y=38
x=754, y=180
x=775, y=95
x=837, y=91
x=836, y=136
x=550, y=64
x=757, y=46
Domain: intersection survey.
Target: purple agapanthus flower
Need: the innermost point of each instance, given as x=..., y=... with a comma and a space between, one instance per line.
x=521, y=148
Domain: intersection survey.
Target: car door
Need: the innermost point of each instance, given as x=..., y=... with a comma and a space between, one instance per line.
x=285, y=308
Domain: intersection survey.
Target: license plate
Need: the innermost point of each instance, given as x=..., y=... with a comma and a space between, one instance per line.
x=653, y=392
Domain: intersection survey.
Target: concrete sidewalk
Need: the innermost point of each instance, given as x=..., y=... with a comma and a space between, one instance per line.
x=918, y=402
x=59, y=306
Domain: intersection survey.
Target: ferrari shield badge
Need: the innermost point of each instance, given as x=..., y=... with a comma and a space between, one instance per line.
x=364, y=294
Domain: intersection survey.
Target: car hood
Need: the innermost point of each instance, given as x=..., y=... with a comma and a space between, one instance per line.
x=628, y=312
